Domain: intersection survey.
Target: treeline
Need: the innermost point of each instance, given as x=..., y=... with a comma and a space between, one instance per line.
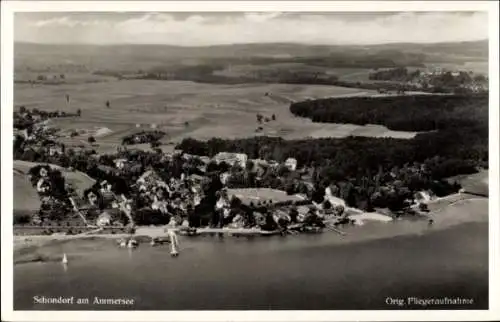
x=382, y=59
x=404, y=113
x=206, y=74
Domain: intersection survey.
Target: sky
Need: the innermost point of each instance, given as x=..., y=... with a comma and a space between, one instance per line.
x=204, y=29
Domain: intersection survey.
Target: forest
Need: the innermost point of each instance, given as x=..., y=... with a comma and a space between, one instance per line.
x=402, y=113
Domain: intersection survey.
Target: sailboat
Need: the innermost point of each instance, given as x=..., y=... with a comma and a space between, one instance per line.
x=173, y=242
x=65, y=259
x=123, y=243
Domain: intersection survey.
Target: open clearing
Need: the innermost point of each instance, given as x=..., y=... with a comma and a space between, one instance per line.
x=187, y=109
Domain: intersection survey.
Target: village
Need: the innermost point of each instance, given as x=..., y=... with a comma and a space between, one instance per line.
x=189, y=194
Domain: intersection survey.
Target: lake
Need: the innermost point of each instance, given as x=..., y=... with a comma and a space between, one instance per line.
x=321, y=272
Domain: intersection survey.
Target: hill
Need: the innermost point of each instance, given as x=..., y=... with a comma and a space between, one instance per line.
x=134, y=57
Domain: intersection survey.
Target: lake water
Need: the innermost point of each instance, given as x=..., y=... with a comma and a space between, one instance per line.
x=323, y=272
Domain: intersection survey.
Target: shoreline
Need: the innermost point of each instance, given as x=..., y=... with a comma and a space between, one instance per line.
x=31, y=249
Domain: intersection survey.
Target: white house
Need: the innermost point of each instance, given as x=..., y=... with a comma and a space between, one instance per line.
x=42, y=185
x=291, y=163
x=104, y=219
x=120, y=163
x=334, y=201
x=224, y=177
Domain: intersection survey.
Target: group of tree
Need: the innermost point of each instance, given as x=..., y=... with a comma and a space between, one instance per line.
x=399, y=74
x=25, y=118
x=404, y=113
x=143, y=137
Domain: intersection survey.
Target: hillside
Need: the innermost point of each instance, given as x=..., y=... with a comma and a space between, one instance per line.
x=134, y=57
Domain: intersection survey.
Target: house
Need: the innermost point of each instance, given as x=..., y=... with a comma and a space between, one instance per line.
x=291, y=164
x=205, y=159
x=232, y=158
x=421, y=197
x=120, y=163
x=196, y=178
x=149, y=177
x=43, y=185
x=55, y=150
x=224, y=177
x=187, y=156
x=334, y=201
x=43, y=172
x=104, y=219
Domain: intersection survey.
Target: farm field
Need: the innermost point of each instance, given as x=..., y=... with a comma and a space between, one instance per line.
x=187, y=109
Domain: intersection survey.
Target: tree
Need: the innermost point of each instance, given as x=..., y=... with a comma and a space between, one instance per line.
x=259, y=118
x=79, y=112
x=273, y=117
x=91, y=139
x=107, y=104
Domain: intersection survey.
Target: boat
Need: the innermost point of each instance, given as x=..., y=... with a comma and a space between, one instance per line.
x=65, y=259
x=122, y=243
x=270, y=232
x=313, y=229
x=132, y=243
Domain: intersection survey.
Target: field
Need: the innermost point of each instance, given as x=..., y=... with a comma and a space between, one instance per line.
x=263, y=195
x=25, y=196
x=477, y=183
x=187, y=109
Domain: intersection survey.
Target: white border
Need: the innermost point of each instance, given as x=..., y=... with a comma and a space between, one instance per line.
x=9, y=7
